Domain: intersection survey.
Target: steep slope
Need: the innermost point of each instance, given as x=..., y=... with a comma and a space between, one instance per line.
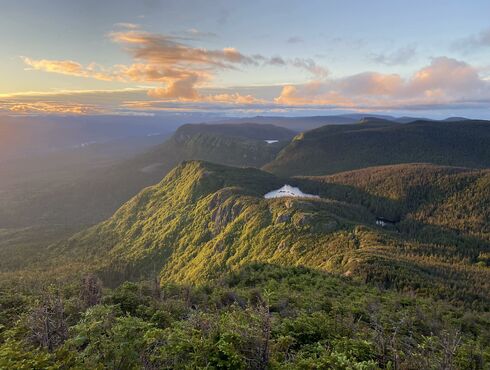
x=241, y=145
x=204, y=219
x=332, y=149
x=87, y=196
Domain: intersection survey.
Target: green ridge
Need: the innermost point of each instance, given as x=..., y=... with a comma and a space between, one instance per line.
x=204, y=219
x=338, y=148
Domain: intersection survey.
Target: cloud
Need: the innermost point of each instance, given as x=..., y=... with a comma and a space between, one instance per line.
x=474, y=42
x=130, y=26
x=69, y=101
x=397, y=57
x=49, y=107
x=68, y=67
x=80, y=95
x=235, y=98
x=182, y=68
x=312, y=93
x=443, y=83
x=193, y=32
x=179, y=68
x=276, y=61
x=168, y=51
x=218, y=102
x=175, y=72
x=311, y=66
x=448, y=76
x=183, y=88
x=158, y=58
x=445, y=80
x=294, y=40
x=369, y=84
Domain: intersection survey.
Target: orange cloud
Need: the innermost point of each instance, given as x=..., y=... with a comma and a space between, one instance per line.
x=158, y=58
x=445, y=80
x=310, y=94
x=68, y=67
x=183, y=88
x=30, y=108
x=181, y=69
x=167, y=51
x=449, y=75
x=235, y=99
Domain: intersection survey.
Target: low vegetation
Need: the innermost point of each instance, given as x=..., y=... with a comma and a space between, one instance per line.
x=260, y=316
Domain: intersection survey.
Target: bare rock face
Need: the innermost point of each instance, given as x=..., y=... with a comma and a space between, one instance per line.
x=299, y=204
x=283, y=218
x=220, y=197
x=224, y=209
x=303, y=219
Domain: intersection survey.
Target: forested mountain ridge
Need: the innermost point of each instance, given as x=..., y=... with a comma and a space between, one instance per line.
x=220, y=277
x=338, y=148
x=241, y=145
x=205, y=219
x=456, y=198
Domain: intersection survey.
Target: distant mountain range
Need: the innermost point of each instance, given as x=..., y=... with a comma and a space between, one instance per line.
x=31, y=136
x=301, y=124
x=374, y=142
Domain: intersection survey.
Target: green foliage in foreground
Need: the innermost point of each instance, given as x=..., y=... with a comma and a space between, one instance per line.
x=260, y=317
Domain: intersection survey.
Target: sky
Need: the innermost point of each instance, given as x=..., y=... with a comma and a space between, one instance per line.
x=93, y=57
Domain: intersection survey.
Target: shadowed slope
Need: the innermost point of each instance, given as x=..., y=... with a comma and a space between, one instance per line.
x=332, y=149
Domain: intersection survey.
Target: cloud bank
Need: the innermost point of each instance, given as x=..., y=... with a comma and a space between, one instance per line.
x=443, y=81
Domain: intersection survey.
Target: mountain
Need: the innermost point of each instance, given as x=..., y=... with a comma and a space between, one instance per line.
x=68, y=188
x=221, y=277
x=338, y=148
x=206, y=219
x=297, y=124
x=242, y=145
x=301, y=124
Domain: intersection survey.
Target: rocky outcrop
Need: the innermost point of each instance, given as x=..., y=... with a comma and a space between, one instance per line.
x=225, y=208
